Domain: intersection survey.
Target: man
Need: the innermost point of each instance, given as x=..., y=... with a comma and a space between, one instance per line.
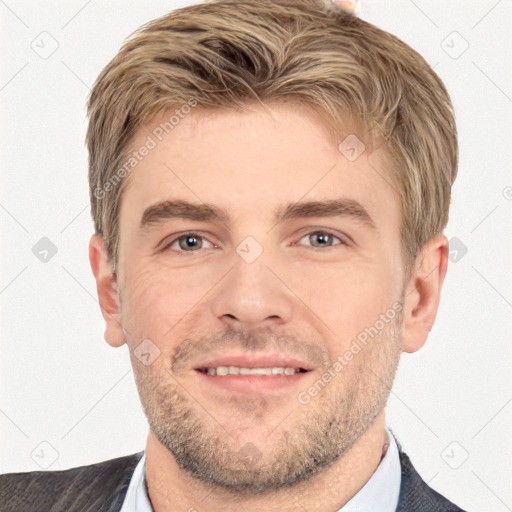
x=269, y=183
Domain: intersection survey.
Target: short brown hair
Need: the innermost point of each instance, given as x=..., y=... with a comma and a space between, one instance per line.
x=227, y=54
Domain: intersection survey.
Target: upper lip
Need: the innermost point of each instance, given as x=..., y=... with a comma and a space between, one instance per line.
x=255, y=361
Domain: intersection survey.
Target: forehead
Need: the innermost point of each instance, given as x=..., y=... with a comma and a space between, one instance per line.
x=253, y=162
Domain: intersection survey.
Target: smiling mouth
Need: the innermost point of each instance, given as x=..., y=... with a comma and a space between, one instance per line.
x=222, y=371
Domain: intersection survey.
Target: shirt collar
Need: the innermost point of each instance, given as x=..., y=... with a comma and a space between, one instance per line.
x=136, y=499
x=380, y=492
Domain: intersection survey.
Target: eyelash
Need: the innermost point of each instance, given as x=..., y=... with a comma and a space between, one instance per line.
x=198, y=235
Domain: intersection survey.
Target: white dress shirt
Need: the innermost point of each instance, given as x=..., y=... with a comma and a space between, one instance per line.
x=379, y=494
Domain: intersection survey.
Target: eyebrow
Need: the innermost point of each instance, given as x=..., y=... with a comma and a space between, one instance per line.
x=177, y=209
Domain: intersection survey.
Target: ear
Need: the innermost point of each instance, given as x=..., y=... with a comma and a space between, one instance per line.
x=423, y=292
x=108, y=293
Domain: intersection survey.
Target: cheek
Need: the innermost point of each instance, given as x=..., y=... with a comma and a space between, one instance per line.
x=155, y=299
x=349, y=298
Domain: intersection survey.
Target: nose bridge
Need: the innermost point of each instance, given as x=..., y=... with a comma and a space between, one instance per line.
x=250, y=293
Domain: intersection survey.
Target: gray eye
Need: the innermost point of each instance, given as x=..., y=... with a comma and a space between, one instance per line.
x=189, y=242
x=320, y=239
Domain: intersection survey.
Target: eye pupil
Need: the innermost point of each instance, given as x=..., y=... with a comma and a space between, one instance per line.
x=189, y=242
x=322, y=238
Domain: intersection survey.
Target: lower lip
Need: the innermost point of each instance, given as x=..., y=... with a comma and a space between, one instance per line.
x=253, y=383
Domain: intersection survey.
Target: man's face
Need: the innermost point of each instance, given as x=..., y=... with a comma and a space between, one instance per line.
x=257, y=289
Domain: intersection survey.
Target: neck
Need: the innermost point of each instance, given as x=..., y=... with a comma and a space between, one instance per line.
x=171, y=489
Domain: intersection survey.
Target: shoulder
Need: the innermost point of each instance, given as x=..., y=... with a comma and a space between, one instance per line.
x=100, y=486
x=415, y=493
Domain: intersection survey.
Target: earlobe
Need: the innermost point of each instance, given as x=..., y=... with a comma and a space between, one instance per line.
x=107, y=290
x=423, y=293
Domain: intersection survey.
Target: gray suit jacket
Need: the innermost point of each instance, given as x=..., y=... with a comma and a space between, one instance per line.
x=102, y=487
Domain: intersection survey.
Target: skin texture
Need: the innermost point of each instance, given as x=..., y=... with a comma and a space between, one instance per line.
x=304, y=295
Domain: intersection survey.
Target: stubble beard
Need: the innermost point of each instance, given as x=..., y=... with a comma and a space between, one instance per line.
x=321, y=433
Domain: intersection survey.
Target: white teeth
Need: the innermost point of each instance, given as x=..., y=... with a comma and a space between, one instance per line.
x=235, y=370
x=255, y=371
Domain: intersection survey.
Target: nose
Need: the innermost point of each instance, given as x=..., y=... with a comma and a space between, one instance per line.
x=253, y=295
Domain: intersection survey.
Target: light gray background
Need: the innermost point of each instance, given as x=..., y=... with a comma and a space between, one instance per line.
x=63, y=386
